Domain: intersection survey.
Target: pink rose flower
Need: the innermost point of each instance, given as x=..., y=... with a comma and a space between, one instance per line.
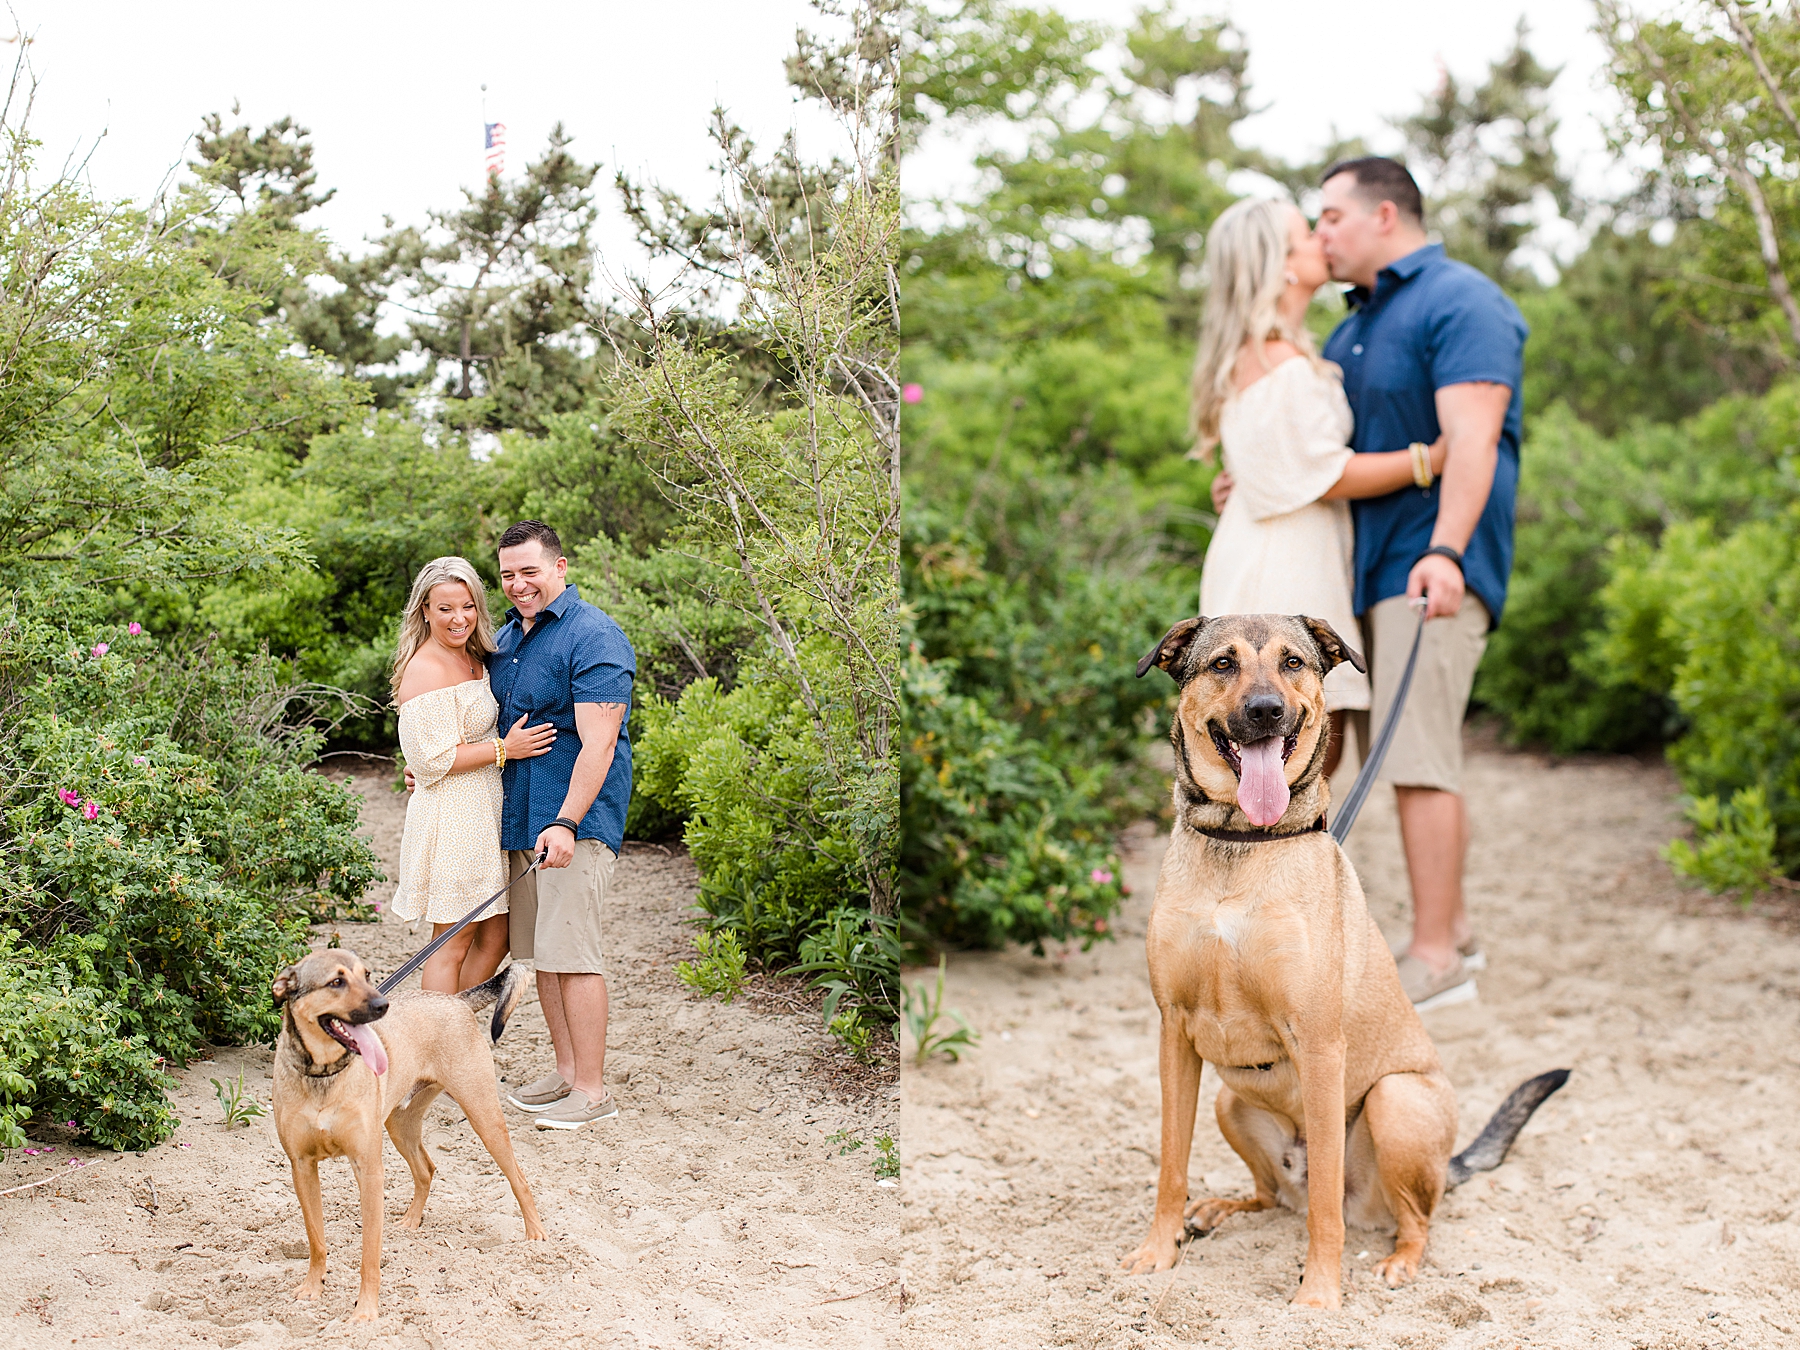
x=101, y=649
x=91, y=810
x=68, y=798
x=1100, y=876
x=134, y=628
x=912, y=393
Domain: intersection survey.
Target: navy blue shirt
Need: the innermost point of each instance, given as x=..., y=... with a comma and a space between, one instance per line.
x=1431, y=322
x=573, y=654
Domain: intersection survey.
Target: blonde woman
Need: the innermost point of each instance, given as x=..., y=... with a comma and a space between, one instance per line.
x=1283, y=544
x=450, y=856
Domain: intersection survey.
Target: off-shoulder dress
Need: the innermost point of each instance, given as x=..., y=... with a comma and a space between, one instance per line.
x=1278, y=548
x=450, y=855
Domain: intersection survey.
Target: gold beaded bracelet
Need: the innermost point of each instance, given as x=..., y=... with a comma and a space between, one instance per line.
x=499, y=753
x=1421, y=463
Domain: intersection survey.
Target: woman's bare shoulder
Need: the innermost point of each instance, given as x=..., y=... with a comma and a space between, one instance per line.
x=1257, y=360
x=426, y=673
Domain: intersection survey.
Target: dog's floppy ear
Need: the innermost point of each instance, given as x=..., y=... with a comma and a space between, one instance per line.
x=285, y=984
x=1336, y=651
x=1170, y=648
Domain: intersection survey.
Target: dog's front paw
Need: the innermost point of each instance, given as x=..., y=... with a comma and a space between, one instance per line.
x=1320, y=1293
x=1157, y=1253
x=1398, y=1269
x=309, y=1290
x=366, y=1312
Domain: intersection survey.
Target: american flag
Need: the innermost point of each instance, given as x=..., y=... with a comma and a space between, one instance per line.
x=496, y=148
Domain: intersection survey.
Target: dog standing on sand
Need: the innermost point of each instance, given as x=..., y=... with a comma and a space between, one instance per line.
x=338, y=1081
x=1264, y=961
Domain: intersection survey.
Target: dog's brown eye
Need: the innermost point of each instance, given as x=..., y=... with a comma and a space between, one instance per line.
x=338, y=983
x=1294, y=663
x=1223, y=663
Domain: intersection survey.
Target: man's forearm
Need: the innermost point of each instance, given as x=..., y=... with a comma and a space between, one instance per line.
x=598, y=725
x=589, y=776
x=1473, y=417
x=1468, y=478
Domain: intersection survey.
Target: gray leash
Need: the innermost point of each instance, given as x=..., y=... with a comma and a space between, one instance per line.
x=426, y=952
x=1365, y=778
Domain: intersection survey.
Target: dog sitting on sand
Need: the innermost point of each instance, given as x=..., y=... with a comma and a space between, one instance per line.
x=1264, y=961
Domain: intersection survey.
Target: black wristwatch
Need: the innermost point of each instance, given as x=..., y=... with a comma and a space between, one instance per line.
x=567, y=824
x=1443, y=551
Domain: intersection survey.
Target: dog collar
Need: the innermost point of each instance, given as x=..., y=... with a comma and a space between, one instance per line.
x=306, y=1066
x=330, y=1069
x=1257, y=836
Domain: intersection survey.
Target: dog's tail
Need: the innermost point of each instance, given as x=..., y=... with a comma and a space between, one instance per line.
x=1490, y=1146
x=503, y=992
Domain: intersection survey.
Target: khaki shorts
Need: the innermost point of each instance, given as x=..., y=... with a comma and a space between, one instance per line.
x=1427, y=748
x=554, y=921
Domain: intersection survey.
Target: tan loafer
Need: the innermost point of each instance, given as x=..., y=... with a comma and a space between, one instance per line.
x=1428, y=988
x=541, y=1095
x=1473, y=957
x=576, y=1110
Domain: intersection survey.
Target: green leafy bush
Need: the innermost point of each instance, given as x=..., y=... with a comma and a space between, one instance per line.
x=718, y=968
x=165, y=849
x=1588, y=505
x=779, y=871
x=63, y=1056
x=1736, y=849
x=1716, y=621
x=1002, y=840
x=741, y=768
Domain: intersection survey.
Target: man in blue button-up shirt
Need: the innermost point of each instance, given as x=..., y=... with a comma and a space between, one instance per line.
x=562, y=661
x=1430, y=346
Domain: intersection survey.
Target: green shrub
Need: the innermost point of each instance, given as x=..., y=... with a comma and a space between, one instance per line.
x=165, y=849
x=742, y=768
x=1717, y=621
x=855, y=958
x=779, y=874
x=1736, y=844
x=1586, y=504
x=718, y=968
x=63, y=1057
x=1001, y=840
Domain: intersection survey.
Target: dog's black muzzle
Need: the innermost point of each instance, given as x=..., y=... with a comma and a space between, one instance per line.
x=1261, y=716
x=372, y=1011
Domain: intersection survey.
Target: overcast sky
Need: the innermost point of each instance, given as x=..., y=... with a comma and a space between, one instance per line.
x=392, y=89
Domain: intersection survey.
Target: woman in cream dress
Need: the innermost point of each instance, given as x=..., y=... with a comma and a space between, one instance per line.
x=450, y=857
x=1283, y=544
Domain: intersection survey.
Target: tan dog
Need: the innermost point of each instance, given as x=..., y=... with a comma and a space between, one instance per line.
x=338, y=1080
x=1265, y=962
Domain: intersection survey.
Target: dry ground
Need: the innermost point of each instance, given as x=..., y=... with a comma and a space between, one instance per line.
x=715, y=1211
x=1650, y=1204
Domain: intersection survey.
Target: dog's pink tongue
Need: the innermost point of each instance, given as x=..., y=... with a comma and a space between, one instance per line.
x=368, y=1045
x=1262, y=787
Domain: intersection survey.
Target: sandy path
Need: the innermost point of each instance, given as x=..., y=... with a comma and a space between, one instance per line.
x=712, y=1212
x=1650, y=1204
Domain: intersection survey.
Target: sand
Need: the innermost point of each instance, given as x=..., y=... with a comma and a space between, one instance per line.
x=717, y=1210
x=1650, y=1204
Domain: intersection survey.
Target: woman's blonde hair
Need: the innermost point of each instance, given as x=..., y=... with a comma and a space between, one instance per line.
x=414, y=631
x=1246, y=272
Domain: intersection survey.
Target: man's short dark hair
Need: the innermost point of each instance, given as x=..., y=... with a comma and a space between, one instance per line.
x=1379, y=180
x=527, y=530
